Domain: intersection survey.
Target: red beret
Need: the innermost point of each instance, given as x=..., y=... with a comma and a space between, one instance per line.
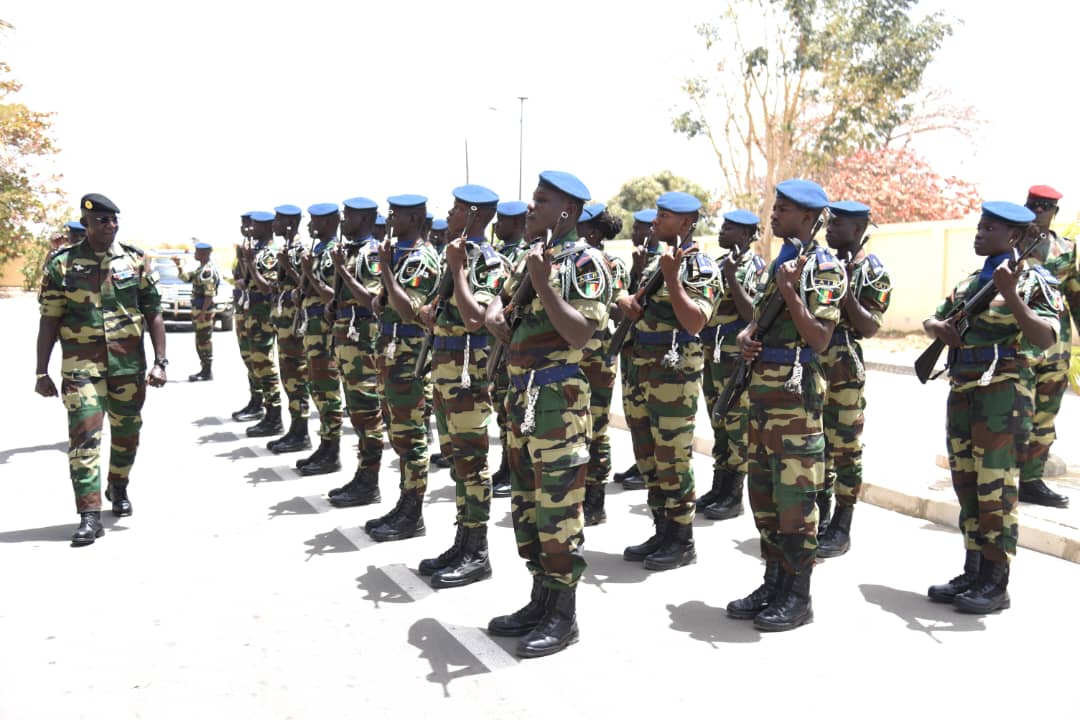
x=1044, y=191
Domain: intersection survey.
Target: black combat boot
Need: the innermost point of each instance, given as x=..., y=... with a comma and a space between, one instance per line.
x=269, y=425
x=620, y=476
x=676, y=550
x=1036, y=493
x=747, y=608
x=471, y=565
x=363, y=489
x=837, y=538
x=121, y=506
x=718, y=490
x=293, y=441
x=328, y=463
x=989, y=593
x=313, y=457
x=90, y=529
x=729, y=505
x=500, y=479
x=430, y=566
x=408, y=523
x=593, y=507
x=637, y=553
x=521, y=622
x=556, y=630
x=440, y=460
x=203, y=374
x=388, y=517
x=250, y=412
x=792, y=606
x=824, y=508
x=961, y=583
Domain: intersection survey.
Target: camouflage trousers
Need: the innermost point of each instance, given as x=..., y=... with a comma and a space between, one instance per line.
x=404, y=410
x=324, y=381
x=360, y=382
x=601, y=379
x=292, y=363
x=547, y=480
x=986, y=427
x=661, y=416
x=627, y=383
x=239, y=322
x=843, y=418
x=261, y=336
x=500, y=385
x=204, y=336
x=785, y=446
x=729, y=433
x=87, y=400
x=463, y=415
x=1051, y=382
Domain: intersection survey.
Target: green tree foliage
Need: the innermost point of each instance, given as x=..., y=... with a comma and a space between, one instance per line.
x=798, y=83
x=641, y=193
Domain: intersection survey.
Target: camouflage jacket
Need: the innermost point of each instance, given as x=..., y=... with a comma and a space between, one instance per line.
x=1060, y=259
x=748, y=276
x=699, y=276
x=869, y=283
x=100, y=301
x=820, y=285
x=322, y=267
x=362, y=262
x=416, y=268
x=487, y=272
x=205, y=281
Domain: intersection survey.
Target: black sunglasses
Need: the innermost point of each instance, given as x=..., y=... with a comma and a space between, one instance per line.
x=1040, y=205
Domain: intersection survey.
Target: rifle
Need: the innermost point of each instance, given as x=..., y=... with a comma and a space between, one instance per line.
x=446, y=288
x=618, y=338
x=741, y=378
x=964, y=311
x=522, y=296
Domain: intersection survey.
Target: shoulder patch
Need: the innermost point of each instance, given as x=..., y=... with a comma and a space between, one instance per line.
x=758, y=263
x=138, y=252
x=824, y=259
x=1045, y=274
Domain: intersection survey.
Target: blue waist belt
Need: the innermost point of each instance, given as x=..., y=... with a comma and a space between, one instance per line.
x=403, y=330
x=664, y=338
x=545, y=377
x=785, y=356
x=709, y=335
x=361, y=312
x=476, y=342
x=315, y=311
x=841, y=337
x=259, y=297
x=981, y=354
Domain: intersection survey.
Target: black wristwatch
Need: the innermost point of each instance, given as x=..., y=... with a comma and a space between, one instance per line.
x=162, y=363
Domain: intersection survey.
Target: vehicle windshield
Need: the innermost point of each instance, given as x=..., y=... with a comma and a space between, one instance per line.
x=167, y=271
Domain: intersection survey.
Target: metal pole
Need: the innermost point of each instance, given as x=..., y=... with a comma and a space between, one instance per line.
x=521, y=141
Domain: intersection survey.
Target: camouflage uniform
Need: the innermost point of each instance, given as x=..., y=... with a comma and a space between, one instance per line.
x=625, y=372
x=988, y=415
x=100, y=302
x=292, y=359
x=356, y=337
x=258, y=326
x=718, y=343
x=785, y=438
x=845, y=376
x=324, y=380
x=205, y=281
x=404, y=395
x=666, y=365
x=548, y=410
x=501, y=384
x=239, y=320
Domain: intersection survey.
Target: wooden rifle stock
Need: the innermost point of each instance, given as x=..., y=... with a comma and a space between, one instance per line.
x=618, y=338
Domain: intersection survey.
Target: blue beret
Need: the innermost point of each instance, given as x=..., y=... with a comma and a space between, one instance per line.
x=591, y=211
x=260, y=216
x=566, y=183
x=645, y=216
x=248, y=214
x=320, y=209
x=288, y=210
x=361, y=203
x=678, y=202
x=203, y=246
x=380, y=220
x=803, y=192
x=476, y=195
x=430, y=217
x=512, y=208
x=75, y=225
x=439, y=224
x=407, y=201
x=850, y=208
x=742, y=217
x=1009, y=212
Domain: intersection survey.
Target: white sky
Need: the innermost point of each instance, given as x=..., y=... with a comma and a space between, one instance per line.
x=188, y=114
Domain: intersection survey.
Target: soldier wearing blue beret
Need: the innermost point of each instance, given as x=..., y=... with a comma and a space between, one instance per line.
x=205, y=281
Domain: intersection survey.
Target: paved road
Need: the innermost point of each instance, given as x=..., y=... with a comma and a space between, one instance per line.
x=234, y=591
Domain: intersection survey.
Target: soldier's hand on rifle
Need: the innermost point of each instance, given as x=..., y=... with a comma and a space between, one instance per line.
x=1005, y=278
x=749, y=348
x=498, y=327
x=337, y=256
x=945, y=330
x=638, y=258
x=669, y=265
x=427, y=316
x=630, y=306
x=386, y=256
x=305, y=261
x=728, y=271
x=539, y=266
x=788, y=273
x=377, y=305
x=455, y=254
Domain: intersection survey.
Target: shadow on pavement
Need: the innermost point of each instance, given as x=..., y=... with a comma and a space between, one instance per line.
x=751, y=547
x=641, y=509
x=207, y=421
x=57, y=533
x=447, y=493
x=443, y=651
x=217, y=437
x=240, y=453
x=919, y=613
x=6, y=454
x=711, y=624
x=328, y=543
x=295, y=506
x=379, y=588
x=259, y=476
x=602, y=568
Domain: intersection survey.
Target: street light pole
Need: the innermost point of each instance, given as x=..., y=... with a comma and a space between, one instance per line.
x=521, y=140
